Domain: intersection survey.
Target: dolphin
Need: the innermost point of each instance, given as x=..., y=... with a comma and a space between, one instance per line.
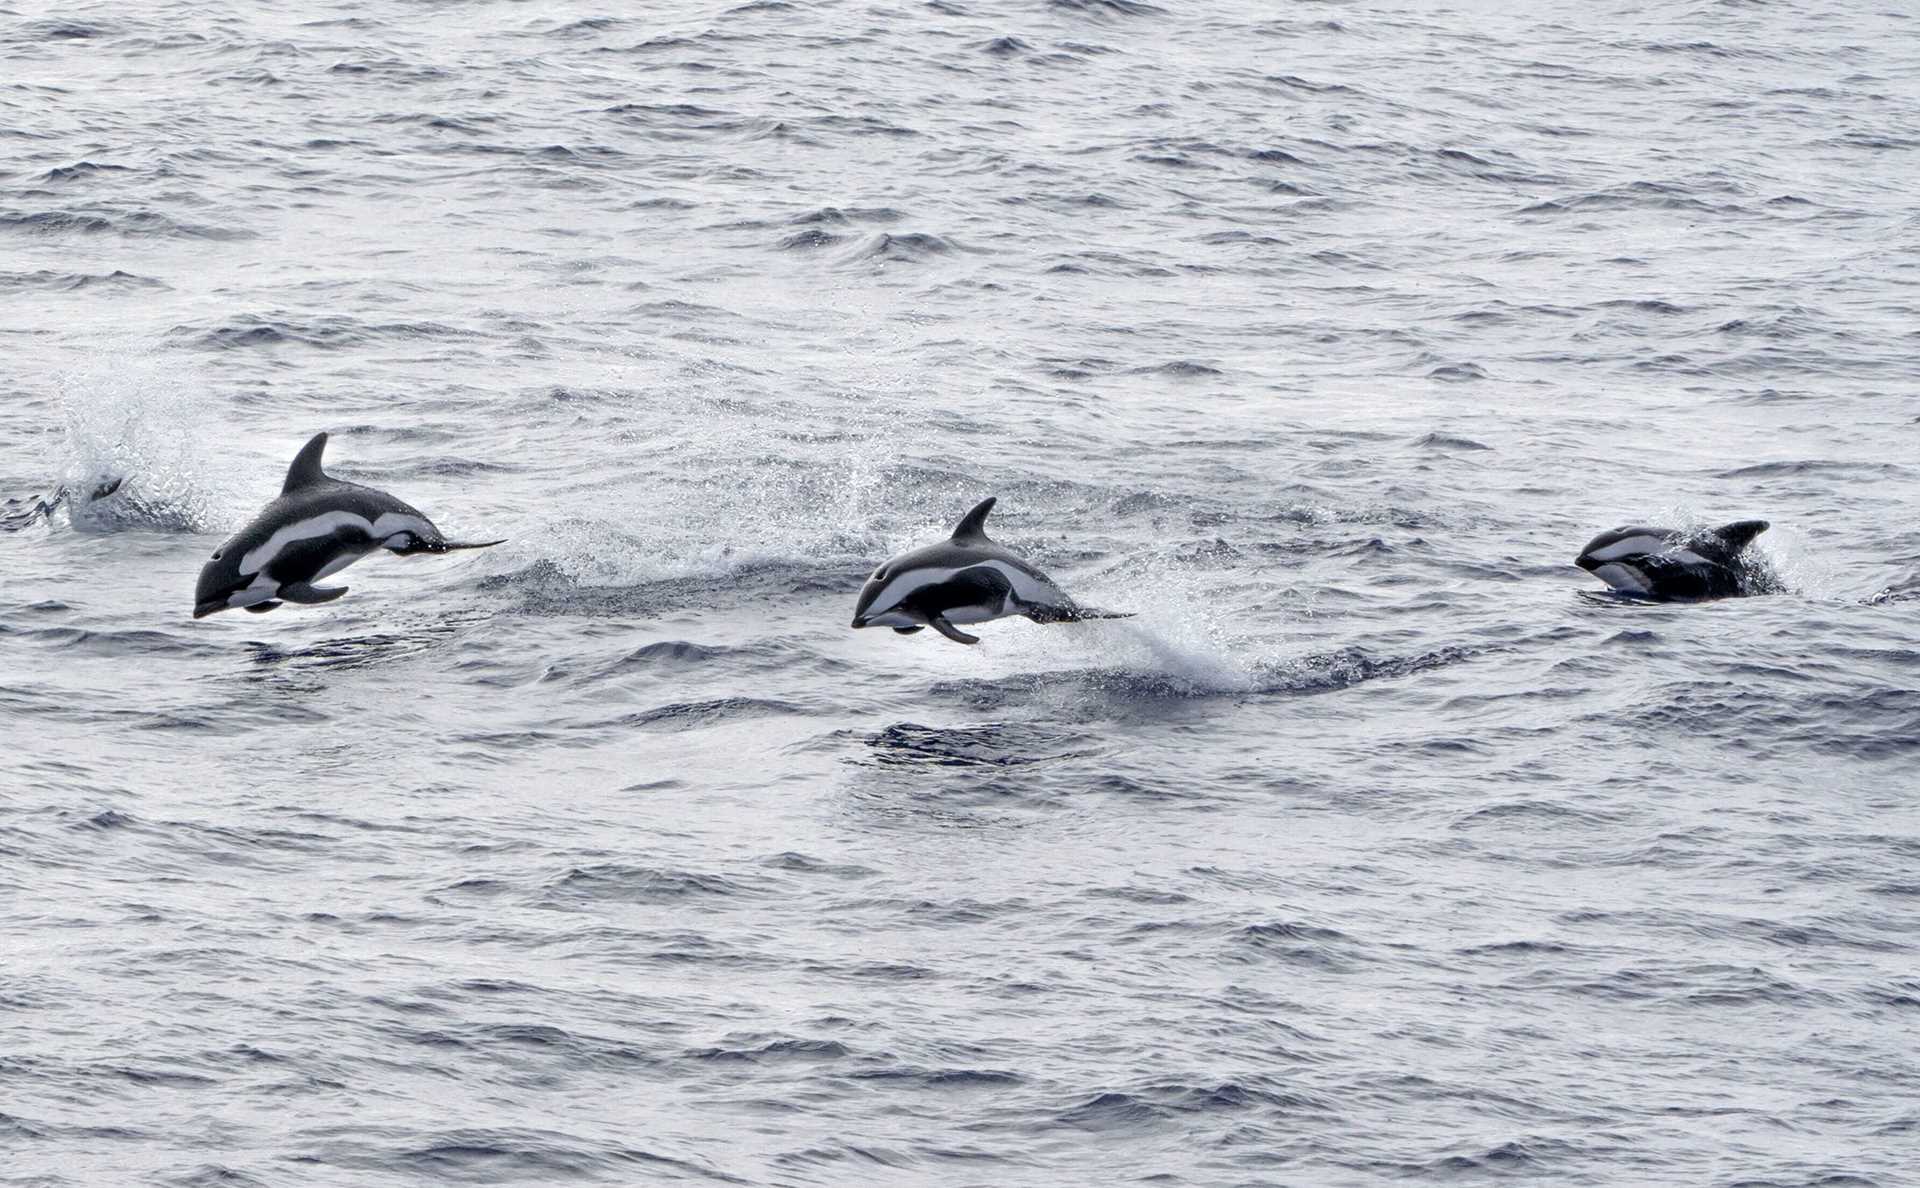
x=966, y=578
x=18, y=513
x=317, y=527
x=1667, y=564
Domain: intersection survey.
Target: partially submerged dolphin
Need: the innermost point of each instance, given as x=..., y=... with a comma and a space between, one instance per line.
x=317, y=527
x=18, y=513
x=964, y=579
x=1667, y=564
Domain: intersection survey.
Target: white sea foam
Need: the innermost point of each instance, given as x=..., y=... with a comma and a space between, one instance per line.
x=1180, y=634
x=135, y=451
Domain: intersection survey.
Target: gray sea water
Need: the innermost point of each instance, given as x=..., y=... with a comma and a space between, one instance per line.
x=1380, y=847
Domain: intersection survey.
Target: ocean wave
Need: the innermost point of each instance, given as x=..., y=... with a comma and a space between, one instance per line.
x=138, y=223
x=70, y=282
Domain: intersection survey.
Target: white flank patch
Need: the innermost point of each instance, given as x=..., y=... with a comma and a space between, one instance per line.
x=904, y=585
x=325, y=524
x=336, y=565
x=1624, y=577
x=974, y=614
x=1632, y=546
x=263, y=589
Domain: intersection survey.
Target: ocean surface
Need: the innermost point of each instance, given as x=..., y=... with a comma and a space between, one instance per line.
x=1382, y=846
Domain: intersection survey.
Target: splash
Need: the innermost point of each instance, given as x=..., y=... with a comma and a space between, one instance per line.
x=748, y=516
x=719, y=486
x=1778, y=561
x=1183, y=637
x=1906, y=590
x=1782, y=562
x=133, y=454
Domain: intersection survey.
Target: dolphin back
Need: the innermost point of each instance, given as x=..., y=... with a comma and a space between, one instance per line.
x=1618, y=543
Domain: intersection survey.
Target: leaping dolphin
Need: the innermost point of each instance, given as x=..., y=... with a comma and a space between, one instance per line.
x=964, y=579
x=318, y=526
x=1667, y=564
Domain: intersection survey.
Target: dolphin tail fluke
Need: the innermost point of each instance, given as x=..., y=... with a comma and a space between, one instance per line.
x=939, y=623
x=307, y=594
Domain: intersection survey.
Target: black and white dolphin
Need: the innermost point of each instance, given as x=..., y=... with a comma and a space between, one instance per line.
x=964, y=579
x=18, y=513
x=317, y=527
x=1667, y=564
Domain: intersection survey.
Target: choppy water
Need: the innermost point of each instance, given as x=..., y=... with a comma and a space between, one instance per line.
x=1375, y=849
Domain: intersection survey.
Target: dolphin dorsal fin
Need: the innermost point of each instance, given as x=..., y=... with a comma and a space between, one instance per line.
x=305, y=471
x=1740, y=533
x=973, y=525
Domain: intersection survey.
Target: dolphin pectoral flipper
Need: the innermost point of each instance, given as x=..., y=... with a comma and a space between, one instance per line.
x=261, y=608
x=908, y=630
x=939, y=623
x=308, y=594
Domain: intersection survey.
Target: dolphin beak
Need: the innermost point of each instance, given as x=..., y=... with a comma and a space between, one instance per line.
x=473, y=544
x=858, y=621
x=206, y=608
